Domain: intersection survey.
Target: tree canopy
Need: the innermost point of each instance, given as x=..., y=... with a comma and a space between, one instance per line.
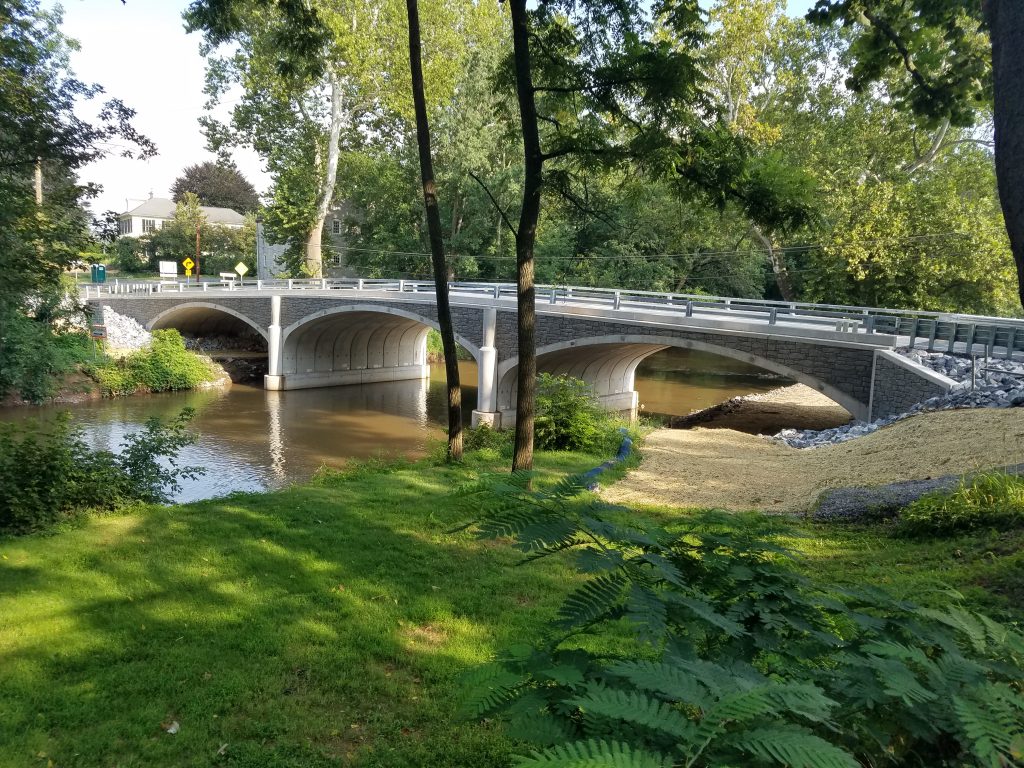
x=220, y=186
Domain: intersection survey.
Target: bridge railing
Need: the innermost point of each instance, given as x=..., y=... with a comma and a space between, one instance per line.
x=937, y=331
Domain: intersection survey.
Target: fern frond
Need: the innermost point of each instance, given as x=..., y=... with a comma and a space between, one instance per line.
x=708, y=614
x=965, y=622
x=597, y=598
x=993, y=732
x=490, y=688
x=633, y=707
x=648, y=613
x=664, y=679
x=593, y=560
x=594, y=754
x=792, y=746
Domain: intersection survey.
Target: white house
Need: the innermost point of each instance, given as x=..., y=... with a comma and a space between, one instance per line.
x=156, y=212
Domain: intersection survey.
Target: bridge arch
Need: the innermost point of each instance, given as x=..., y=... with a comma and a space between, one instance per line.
x=357, y=344
x=204, y=319
x=612, y=371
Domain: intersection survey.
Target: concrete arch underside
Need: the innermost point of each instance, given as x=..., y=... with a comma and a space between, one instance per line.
x=206, y=319
x=356, y=345
x=609, y=363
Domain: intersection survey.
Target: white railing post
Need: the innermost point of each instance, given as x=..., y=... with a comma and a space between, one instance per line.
x=259, y=285
x=289, y=283
x=360, y=284
x=401, y=286
x=323, y=283
x=618, y=300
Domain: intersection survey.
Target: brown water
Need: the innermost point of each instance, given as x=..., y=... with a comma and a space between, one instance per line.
x=252, y=439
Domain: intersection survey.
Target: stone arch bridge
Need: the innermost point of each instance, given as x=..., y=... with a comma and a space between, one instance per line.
x=330, y=333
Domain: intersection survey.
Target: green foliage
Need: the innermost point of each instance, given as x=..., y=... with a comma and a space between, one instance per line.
x=50, y=474
x=692, y=646
x=163, y=366
x=218, y=186
x=569, y=418
x=988, y=500
x=39, y=343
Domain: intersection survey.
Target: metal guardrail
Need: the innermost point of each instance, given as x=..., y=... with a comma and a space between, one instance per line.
x=937, y=331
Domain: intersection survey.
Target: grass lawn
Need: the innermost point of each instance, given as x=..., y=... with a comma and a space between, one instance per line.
x=325, y=625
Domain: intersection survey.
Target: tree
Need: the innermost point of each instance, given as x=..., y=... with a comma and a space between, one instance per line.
x=41, y=136
x=219, y=186
x=440, y=268
x=946, y=70
x=600, y=84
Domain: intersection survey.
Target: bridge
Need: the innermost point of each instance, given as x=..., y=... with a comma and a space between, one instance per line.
x=323, y=333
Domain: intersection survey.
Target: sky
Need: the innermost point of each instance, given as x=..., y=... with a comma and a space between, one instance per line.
x=139, y=52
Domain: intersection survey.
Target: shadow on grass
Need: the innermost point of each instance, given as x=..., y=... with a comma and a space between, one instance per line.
x=315, y=626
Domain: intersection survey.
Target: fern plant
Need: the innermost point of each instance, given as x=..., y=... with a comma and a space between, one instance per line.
x=731, y=656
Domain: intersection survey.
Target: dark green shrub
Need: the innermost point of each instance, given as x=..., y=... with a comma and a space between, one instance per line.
x=694, y=647
x=989, y=500
x=483, y=438
x=50, y=474
x=568, y=418
x=163, y=366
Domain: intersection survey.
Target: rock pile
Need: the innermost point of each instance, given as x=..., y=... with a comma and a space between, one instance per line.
x=251, y=343
x=124, y=332
x=996, y=384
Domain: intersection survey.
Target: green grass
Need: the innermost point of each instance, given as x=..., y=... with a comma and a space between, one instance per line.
x=326, y=624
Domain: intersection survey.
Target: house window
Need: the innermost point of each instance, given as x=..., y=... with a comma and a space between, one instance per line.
x=124, y=226
x=148, y=225
x=335, y=227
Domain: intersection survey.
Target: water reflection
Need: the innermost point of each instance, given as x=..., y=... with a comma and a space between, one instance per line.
x=253, y=439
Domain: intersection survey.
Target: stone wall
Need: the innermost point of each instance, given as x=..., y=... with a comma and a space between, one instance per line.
x=898, y=384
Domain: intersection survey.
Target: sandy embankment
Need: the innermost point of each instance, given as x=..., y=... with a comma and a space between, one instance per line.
x=794, y=407
x=726, y=469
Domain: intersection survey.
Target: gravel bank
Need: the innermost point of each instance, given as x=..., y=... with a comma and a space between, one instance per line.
x=726, y=469
x=988, y=384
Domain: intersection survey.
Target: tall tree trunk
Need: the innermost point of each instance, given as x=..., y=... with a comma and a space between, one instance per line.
x=1006, y=25
x=437, y=260
x=526, y=236
x=775, y=258
x=314, y=249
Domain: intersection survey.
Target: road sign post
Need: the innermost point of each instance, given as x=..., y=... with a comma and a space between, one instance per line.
x=188, y=264
x=241, y=269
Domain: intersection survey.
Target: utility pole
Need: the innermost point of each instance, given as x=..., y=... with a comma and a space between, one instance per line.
x=39, y=181
x=198, y=278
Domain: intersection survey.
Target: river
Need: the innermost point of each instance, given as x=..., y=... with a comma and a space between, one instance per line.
x=253, y=440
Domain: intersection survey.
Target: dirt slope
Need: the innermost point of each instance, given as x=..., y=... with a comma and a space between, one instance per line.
x=725, y=469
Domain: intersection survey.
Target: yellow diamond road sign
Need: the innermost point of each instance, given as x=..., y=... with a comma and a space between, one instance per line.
x=188, y=263
x=240, y=268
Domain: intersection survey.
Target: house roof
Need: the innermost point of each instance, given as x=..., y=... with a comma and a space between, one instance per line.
x=162, y=208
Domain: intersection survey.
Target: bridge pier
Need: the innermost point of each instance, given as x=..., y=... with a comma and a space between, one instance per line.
x=275, y=355
x=486, y=411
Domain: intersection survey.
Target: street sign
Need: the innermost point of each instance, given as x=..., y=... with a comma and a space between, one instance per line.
x=188, y=263
x=188, y=271
x=98, y=331
x=241, y=269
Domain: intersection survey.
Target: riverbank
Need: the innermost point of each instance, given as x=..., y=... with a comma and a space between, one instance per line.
x=793, y=407
x=330, y=622
x=731, y=470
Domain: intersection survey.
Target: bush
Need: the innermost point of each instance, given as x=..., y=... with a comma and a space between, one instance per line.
x=989, y=500
x=568, y=418
x=700, y=648
x=47, y=475
x=164, y=366
x=494, y=441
